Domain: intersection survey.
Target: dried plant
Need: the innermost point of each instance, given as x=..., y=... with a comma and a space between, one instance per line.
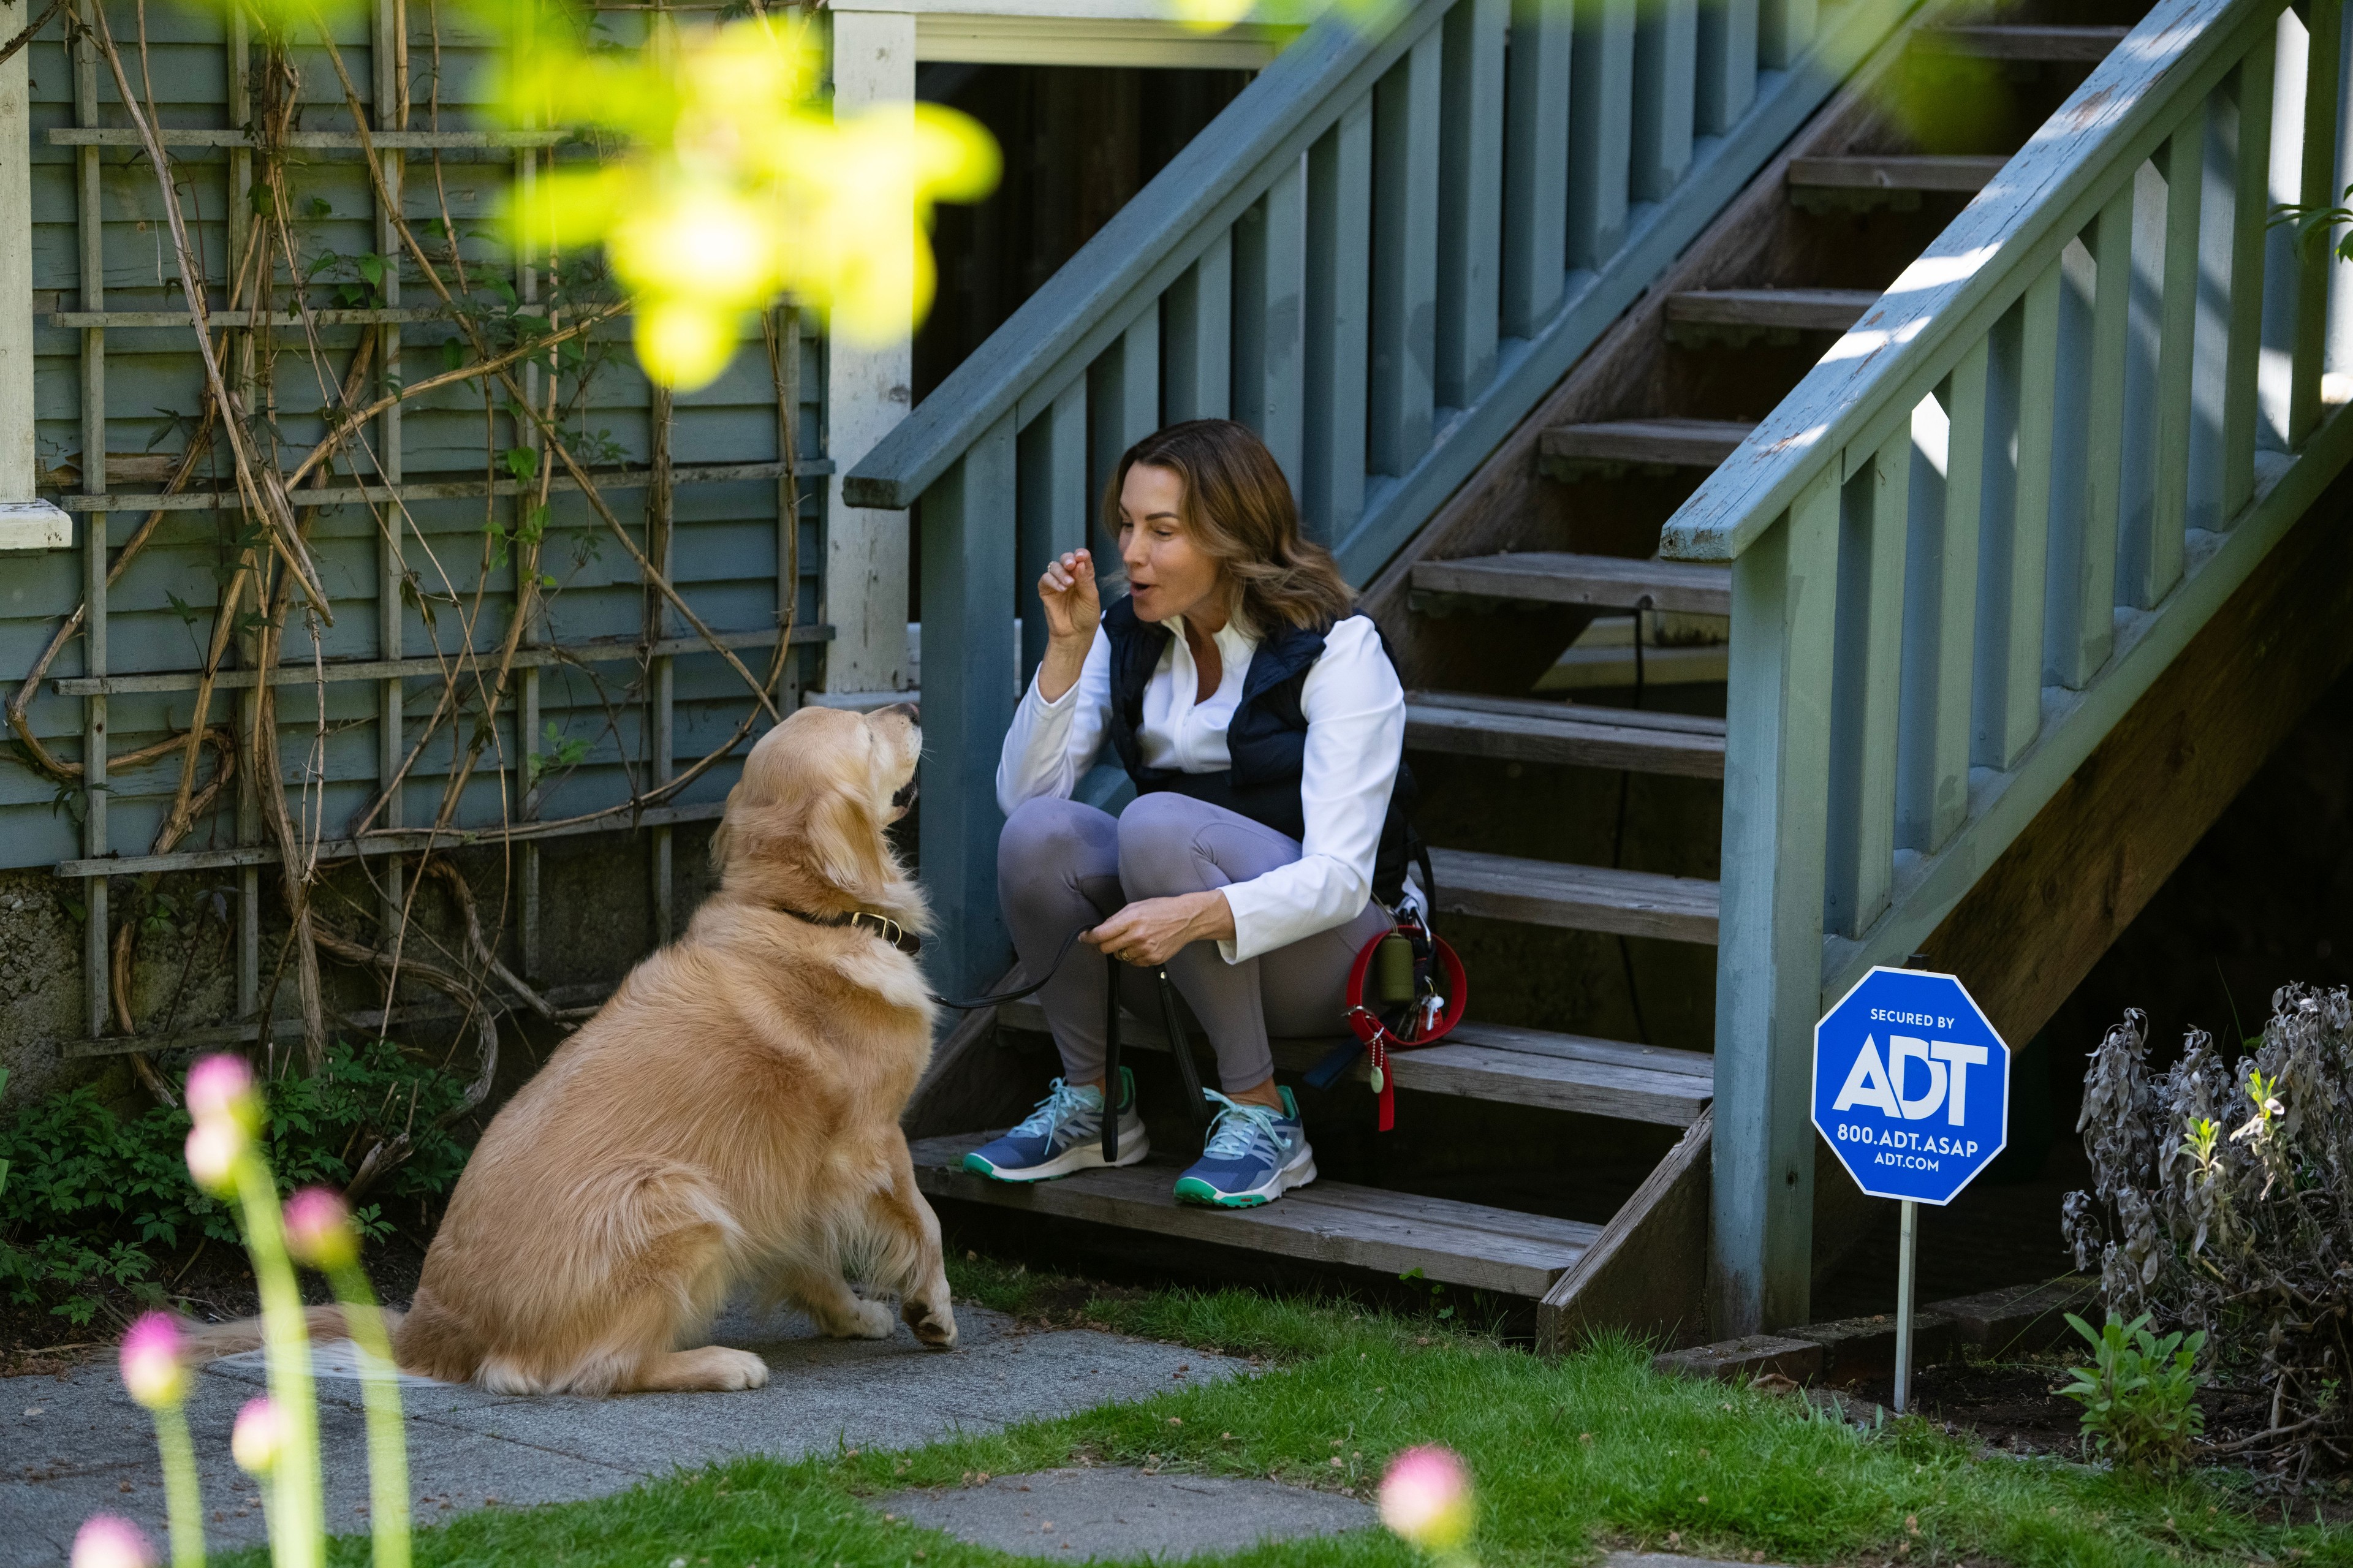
x=2222, y=1203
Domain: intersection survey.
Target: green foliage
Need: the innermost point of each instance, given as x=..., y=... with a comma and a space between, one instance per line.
x=2139, y=1394
x=95, y=1201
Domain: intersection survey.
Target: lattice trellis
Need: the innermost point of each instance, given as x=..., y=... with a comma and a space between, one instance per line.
x=399, y=528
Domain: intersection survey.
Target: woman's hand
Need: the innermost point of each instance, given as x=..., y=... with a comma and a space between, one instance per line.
x=1149, y=933
x=1073, y=610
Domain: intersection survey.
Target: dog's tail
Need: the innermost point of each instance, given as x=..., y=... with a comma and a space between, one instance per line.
x=210, y=1341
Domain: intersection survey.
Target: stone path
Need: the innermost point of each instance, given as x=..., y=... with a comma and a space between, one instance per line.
x=74, y=1444
x=1114, y=1511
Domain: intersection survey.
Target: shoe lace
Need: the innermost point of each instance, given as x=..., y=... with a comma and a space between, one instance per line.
x=1062, y=1102
x=1239, y=1127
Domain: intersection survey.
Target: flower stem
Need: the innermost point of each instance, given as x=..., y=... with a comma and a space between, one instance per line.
x=184, y=1500
x=298, y=1532
x=380, y=1393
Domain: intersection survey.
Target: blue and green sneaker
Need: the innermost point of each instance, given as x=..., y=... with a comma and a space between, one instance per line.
x=1254, y=1156
x=1063, y=1134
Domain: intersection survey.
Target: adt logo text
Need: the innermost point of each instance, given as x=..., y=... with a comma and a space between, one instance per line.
x=1911, y=1085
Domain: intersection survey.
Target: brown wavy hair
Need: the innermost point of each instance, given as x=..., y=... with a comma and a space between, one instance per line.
x=1238, y=508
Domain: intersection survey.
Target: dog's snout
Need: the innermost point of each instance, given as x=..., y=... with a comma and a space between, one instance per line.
x=909, y=709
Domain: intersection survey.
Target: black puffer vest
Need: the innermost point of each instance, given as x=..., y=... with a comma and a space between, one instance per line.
x=1266, y=741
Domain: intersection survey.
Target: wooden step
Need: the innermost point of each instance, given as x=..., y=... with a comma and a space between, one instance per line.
x=1581, y=898
x=2022, y=41
x=1528, y=729
x=1788, y=310
x=1912, y=173
x=1493, y=1062
x=1326, y=1222
x=1658, y=442
x=1605, y=582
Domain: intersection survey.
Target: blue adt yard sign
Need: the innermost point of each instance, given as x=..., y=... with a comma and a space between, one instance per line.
x=1911, y=1085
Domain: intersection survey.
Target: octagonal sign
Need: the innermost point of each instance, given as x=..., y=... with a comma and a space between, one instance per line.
x=1911, y=1085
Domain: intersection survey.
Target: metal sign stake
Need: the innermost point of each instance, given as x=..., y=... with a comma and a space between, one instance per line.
x=1910, y=1228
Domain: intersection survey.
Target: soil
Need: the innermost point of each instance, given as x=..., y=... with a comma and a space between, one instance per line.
x=214, y=1285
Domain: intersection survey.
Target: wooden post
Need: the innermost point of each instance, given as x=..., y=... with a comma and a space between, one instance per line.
x=1770, y=962
x=92, y=222
x=1600, y=124
x=1402, y=394
x=1727, y=64
x=2316, y=256
x=1936, y=799
x=1199, y=327
x=1536, y=164
x=1784, y=29
x=1339, y=289
x=2017, y=543
x=1270, y=337
x=968, y=544
x=2177, y=356
x=2249, y=218
x=1860, y=857
x=1666, y=62
x=868, y=390
x=1055, y=505
x=1470, y=197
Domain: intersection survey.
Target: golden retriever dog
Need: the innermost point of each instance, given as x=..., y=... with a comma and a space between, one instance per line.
x=729, y=1118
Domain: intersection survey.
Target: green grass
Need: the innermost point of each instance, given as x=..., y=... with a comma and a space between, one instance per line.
x=1570, y=1456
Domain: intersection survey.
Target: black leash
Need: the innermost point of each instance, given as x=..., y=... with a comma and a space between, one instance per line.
x=1180, y=1046
x=966, y=1004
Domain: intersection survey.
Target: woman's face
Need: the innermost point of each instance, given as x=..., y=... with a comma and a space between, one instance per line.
x=1168, y=574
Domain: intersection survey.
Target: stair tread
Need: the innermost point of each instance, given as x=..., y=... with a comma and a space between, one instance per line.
x=1579, y=897
x=1685, y=443
x=1899, y=172
x=1326, y=1222
x=1493, y=1062
x=1582, y=712
x=1533, y=731
x=2020, y=41
x=1614, y=582
x=1813, y=310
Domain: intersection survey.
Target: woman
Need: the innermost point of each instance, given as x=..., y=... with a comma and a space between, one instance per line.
x=1263, y=726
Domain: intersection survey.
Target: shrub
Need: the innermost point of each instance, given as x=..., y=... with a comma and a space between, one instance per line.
x=94, y=1201
x=2229, y=1186
x=2139, y=1393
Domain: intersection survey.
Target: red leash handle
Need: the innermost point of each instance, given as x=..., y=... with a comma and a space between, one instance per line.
x=1377, y=1036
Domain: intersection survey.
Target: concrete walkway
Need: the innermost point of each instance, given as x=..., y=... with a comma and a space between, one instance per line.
x=74, y=1444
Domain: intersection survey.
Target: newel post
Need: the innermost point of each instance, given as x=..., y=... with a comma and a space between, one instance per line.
x=969, y=663
x=1769, y=959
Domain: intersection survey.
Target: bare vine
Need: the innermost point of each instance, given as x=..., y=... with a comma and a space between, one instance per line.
x=271, y=577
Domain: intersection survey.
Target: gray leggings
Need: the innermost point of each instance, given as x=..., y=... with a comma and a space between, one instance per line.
x=1062, y=865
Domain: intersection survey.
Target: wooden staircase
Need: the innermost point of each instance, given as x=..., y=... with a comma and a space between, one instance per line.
x=1553, y=535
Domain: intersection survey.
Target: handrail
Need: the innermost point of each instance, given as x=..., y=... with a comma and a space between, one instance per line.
x=1380, y=255
x=1972, y=538
x=2039, y=201
x=1078, y=313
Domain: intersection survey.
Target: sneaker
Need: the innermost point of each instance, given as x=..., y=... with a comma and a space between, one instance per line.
x=1254, y=1156
x=1062, y=1135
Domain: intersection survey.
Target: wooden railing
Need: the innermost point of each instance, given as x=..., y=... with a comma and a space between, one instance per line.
x=1380, y=255
x=1977, y=532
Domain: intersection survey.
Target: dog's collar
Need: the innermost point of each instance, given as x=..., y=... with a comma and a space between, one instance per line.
x=883, y=926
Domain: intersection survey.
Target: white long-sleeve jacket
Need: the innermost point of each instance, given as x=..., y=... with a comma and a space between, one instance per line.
x=1356, y=738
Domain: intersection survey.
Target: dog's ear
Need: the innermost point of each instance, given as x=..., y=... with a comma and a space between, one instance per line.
x=846, y=844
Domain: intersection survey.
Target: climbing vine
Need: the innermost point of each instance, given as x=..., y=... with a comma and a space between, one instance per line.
x=532, y=361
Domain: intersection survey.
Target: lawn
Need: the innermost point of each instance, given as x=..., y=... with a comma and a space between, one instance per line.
x=1570, y=1455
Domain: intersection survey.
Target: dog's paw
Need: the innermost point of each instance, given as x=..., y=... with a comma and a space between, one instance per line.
x=934, y=1324
x=866, y=1321
x=736, y=1370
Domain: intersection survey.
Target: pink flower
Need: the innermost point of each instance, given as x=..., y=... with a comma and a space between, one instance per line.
x=256, y=1439
x=213, y=1151
x=1426, y=1499
x=151, y=1362
x=318, y=1229
x=221, y=1089
x=107, y=1542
